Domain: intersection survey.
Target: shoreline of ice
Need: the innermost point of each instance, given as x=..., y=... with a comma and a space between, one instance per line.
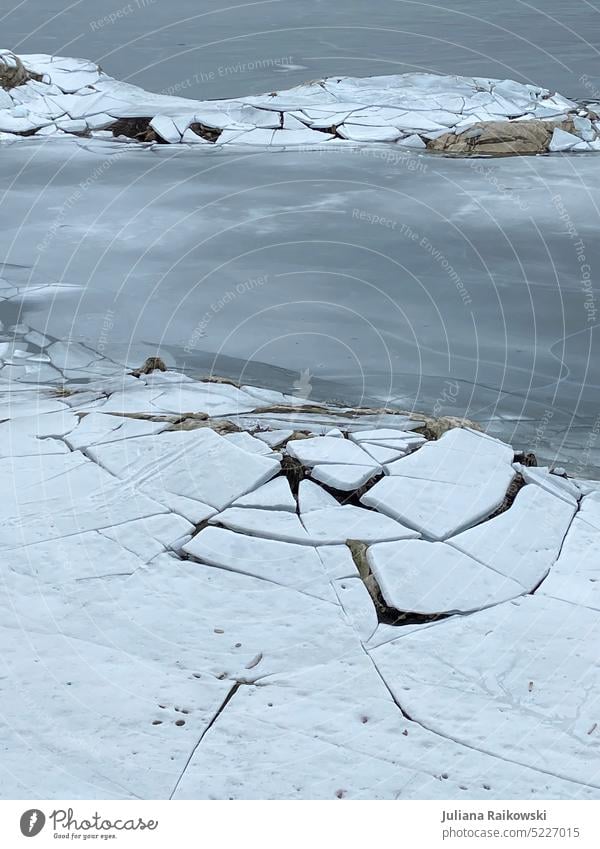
x=46, y=96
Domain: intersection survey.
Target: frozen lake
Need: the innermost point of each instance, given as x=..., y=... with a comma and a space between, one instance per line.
x=448, y=285
x=212, y=48
x=192, y=609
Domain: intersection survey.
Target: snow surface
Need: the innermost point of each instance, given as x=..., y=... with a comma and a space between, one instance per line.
x=176, y=588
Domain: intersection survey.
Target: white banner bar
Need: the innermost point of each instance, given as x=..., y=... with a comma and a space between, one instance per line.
x=309, y=825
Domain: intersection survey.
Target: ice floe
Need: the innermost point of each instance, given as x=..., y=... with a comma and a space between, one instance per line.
x=523, y=542
x=274, y=495
x=296, y=566
x=58, y=97
x=272, y=524
x=432, y=577
x=575, y=575
x=345, y=477
x=337, y=524
x=327, y=449
x=331, y=731
x=445, y=486
x=208, y=619
x=517, y=681
x=199, y=464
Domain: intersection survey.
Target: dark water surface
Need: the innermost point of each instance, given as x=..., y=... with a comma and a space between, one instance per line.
x=444, y=284
x=219, y=48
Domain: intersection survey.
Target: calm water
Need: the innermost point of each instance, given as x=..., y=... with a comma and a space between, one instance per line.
x=213, y=48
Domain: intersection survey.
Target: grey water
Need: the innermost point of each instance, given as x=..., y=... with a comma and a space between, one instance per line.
x=454, y=286
x=216, y=48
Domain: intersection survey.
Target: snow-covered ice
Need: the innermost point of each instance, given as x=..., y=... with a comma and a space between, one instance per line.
x=516, y=681
x=296, y=566
x=74, y=97
x=447, y=485
x=274, y=495
x=213, y=583
x=432, y=577
x=337, y=524
x=523, y=542
x=344, y=477
x=327, y=449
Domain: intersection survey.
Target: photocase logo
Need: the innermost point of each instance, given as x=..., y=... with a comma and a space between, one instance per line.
x=32, y=822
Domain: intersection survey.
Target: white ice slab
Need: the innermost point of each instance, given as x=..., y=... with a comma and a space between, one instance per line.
x=297, y=567
x=338, y=561
x=320, y=423
x=555, y=484
x=446, y=485
x=274, y=495
x=436, y=509
x=327, y=449
x=70, y=355
x=275, y=437
x=198, y=464
x=584, y=128
x=460, y=456
x=249, y=443
x=103, y=704
x=36, y=435
x=64, y=494
x=271, y=524
x=190, y=137
x=357, y=605
x=185, y=614
x=166, y=128
x=311, y=496
x=147, y=538
x=414, y=142
x=332, y=731
x=215, y=399
x=258, y=137
x=194, y=511
x=517, y=680
x=298, y=136
x=332, y=525
x=101, y=428
x=344, y=478
x=575, y=576
x=37, y=338
x=24, y=401
x=589, y=508
x=562, y=141
x=377, y=435
x=524, y=541
x=87, y=556
x=382, y=453
x=432, y=577
x=362, y=133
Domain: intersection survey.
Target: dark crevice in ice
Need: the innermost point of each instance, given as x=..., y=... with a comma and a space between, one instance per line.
x=134, y=128
x=109, y=575
x=294, y=471
x=211, y=134
x=514, y=487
